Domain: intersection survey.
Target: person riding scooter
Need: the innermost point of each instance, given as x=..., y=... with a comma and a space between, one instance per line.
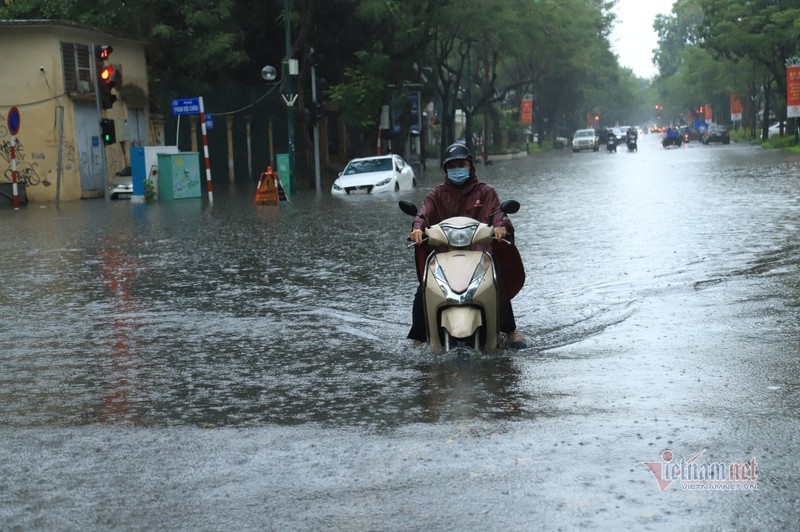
x=631, y=138
x=461, y=194
x=611, y=146
x=673, y=138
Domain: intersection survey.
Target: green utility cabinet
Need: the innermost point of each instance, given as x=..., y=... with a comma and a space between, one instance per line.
x=178, y=176
x=285, y=172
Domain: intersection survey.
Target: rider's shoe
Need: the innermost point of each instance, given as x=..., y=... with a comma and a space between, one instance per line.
x=516, y=340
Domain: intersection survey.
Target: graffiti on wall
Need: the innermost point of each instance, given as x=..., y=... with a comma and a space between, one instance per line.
x=27, y=167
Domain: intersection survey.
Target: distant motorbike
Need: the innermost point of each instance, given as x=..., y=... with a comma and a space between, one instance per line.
x=632, y=143
x=666, y=142
x=612, y=143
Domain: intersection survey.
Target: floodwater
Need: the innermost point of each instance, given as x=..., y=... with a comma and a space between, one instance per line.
x=232, y=366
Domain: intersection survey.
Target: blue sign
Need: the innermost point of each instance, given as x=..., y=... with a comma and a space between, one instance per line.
x=13, y=120
x=209, y=121
x=186, y=106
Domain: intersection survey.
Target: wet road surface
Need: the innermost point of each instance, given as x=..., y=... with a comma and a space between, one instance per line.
x=183, y=366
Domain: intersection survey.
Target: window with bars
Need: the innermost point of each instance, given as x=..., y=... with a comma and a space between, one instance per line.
x=77, y=68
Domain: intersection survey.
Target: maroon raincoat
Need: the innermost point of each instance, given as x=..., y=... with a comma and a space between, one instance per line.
x=474, y=199
x=478, y=201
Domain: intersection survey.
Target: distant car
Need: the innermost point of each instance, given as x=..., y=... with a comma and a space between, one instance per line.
x=121, y=185
x=585, y=139
x=373, y=175
x=716, y=133
x=618, y=132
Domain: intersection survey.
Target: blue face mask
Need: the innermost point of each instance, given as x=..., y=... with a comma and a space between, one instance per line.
x=458, y=176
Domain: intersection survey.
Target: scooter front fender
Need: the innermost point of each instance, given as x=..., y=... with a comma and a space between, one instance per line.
x=461, y=322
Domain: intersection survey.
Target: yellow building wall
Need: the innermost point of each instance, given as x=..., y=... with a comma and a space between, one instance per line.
x=32, y=79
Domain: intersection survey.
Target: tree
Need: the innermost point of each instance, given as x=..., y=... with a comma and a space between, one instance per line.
x=764, y=31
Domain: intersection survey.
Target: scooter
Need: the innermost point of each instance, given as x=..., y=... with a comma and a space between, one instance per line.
x=612, y=143
x=631, y=142
x=460, y=285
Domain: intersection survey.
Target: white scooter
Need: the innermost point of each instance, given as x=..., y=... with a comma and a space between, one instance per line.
x=460, y=285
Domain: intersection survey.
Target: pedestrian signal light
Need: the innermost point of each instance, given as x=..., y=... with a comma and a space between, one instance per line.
x=108, y=131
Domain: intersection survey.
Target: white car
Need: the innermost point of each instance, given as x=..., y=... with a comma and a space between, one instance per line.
x=372, y=175
x=585, y=139
x=121, y=185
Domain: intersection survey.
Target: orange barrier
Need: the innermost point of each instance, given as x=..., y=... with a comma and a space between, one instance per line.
x=267, y=190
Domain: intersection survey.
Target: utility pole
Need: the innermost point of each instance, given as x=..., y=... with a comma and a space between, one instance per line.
x=289, y=98
x=317, y=179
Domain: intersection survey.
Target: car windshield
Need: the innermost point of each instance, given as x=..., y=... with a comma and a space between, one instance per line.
x=584, y=134
x=367, y=166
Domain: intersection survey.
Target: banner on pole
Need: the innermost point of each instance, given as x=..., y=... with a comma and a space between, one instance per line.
x=526, y=111
x=736, y=107
x=793, y=91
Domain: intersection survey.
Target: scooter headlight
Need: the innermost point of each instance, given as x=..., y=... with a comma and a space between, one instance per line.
x=461, y=236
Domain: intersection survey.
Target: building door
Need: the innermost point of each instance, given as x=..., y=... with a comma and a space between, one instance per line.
x=87, y=134
x=137, y=134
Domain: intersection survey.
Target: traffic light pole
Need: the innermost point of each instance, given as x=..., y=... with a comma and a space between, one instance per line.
x=101, y=144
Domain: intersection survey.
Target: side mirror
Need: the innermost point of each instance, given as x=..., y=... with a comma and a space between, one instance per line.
x=509, y=206
x=411, y=209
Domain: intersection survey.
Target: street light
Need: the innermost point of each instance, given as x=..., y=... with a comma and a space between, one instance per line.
x=268, y=73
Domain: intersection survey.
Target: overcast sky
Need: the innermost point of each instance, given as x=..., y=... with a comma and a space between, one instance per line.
x=634, y=38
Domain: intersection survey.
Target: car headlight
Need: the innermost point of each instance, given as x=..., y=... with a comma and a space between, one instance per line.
x=336, y=187
x=461, y=236
x=384, y=182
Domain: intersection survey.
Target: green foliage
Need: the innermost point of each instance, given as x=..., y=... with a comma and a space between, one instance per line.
x=360, y=95
x=149, y=190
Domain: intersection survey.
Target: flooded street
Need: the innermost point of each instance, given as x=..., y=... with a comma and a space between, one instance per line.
x=188, y=366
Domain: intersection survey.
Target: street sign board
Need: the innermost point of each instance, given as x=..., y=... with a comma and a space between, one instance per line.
x=13, y=120
x=209, y=121
x=186, y=106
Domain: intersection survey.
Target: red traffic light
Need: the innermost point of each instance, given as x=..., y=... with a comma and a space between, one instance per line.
x=107, y=74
